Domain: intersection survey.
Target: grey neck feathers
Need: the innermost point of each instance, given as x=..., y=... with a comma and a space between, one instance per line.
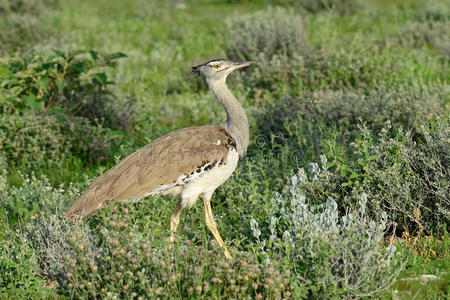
x=236, y=124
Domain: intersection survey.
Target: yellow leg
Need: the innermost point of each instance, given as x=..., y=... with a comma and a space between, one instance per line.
x=175, y=220
x=211, y=224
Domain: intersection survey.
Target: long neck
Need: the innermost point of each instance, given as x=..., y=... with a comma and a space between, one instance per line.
x=236, y=124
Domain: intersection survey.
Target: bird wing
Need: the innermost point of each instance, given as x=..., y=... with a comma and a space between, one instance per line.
x=160, y=163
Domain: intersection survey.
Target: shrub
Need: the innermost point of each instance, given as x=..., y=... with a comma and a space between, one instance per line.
x=92, y=143
x=275, y=39
x=359, y=69
x=131, y=264
x=20, y=24
x=32, y=199
x=426, y=33
x=38, y=208
x=75, y=82
x=341, y=7
x=405, y=174
x=435, y=10
x=265, y=34
x=18, y=266
x=317, y=112
x=409, y=176
x=25, y=6
x=321, y=69
x=33, y=141
x=36, y=141
x=120, y=261
x=331, y=255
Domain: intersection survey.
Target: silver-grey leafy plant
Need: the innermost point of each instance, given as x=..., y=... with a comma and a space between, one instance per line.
x=332, y=253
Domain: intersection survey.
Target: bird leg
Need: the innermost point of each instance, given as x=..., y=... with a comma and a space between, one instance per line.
x=211, y=224
x=175, y=220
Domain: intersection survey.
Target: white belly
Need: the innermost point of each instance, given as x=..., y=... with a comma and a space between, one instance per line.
x=208, y=181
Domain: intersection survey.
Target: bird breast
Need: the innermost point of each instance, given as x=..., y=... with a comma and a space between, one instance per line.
x=209, y=179
x=203, y=182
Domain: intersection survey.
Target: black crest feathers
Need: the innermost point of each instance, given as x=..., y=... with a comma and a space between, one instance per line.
x=196, y=69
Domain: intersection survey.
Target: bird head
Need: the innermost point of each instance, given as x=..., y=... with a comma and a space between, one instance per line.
x=217, y=69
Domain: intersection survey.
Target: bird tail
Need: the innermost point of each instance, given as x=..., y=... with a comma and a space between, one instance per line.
x=81, y=208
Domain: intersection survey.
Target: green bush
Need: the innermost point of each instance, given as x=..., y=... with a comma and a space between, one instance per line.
x=434, y=34
x=18, y=268
x=33, y=198
x=120, y=261
x=358, y=69
x=404, y=173
x=341, y=7
x=409, y=176
x=265, y=34
x=20, y=24
x=129, y=264
x=333, y=255
x=44, y=141
x=123, y=260
x=275, y=39
x=74, y=82
x=436, y=10
x=92, y=143
x=26, y=6
x=317, y=112
x=33, y=141
x=320, y=69
x=286, y=62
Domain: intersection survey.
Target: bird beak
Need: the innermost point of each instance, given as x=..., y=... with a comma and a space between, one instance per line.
x=243, y=64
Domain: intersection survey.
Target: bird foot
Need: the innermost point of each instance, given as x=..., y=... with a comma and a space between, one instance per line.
x=172, y=239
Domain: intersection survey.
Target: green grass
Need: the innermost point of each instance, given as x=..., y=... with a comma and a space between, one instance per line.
x=162, y=40
x=411, y=285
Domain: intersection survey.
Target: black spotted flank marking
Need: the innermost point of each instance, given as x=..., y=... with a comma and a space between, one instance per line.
x=209, y=167
x=231, y=142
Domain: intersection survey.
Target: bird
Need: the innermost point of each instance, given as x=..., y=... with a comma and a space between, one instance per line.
x=186, y=164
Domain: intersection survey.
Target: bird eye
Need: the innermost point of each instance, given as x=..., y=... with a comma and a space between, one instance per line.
x=216, y=66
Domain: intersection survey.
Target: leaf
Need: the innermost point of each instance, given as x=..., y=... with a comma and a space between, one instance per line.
x=353, y=176
x=50, y=59
x=43, y=83
x=362, y=163
x=331, y=164
x=60, y=84
x=32, y=102
x=12, y=100
x=117, y=133
x=93, y=54
x=116, y=55
x=4, y=71
x=343, y=172
x=101, y=78
x=59, y=53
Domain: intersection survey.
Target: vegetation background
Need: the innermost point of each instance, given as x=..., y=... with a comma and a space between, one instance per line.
x=344, y=192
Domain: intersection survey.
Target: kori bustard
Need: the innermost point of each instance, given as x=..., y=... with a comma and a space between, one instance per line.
x=185, y=163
